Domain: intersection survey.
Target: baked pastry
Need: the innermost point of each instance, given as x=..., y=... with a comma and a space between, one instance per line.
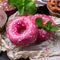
x=54, y=7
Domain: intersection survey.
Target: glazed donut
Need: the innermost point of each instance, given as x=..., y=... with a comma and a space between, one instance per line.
x=21, y=31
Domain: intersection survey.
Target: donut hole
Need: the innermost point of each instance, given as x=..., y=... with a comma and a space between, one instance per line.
x=21, y=28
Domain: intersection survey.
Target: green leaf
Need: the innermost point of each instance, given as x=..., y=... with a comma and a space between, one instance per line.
x=48, y=25
x=53, y=28
x=24, y=6
x=31, y=8
x=19, y=3
x=27, y=1
x=11, y=2
x=39, y=22
x=21, y=11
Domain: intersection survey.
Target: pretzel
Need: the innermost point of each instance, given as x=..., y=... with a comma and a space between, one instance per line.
x=54, y=6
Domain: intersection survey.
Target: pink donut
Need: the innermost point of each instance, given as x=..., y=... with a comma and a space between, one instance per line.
x=41, y=33
x=43, y=16
x=21, y=31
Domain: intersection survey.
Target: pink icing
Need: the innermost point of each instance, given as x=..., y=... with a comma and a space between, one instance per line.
x=18, y=24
